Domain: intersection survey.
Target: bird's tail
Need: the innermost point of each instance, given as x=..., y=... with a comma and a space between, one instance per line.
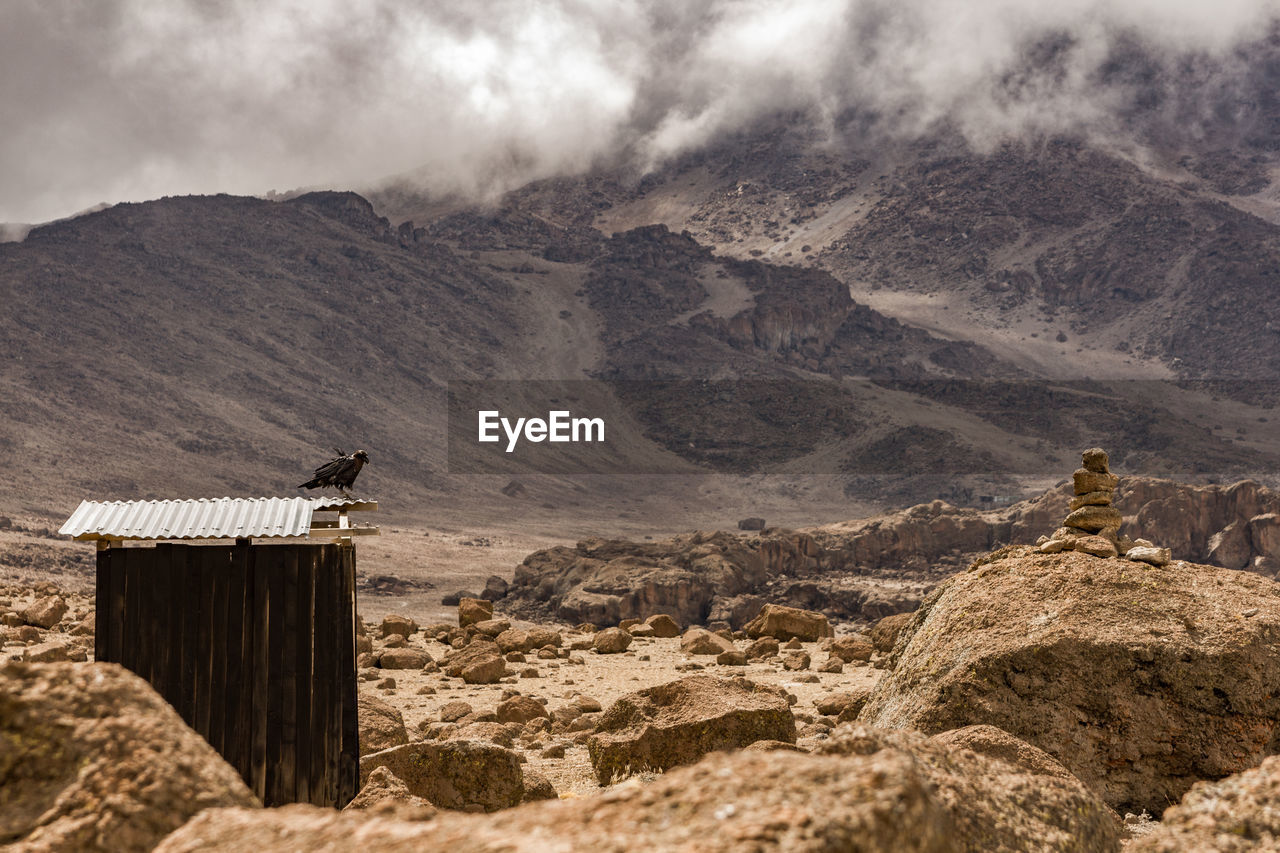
x=310, y=484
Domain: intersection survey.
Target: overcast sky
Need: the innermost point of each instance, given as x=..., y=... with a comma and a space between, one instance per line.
x=115, y=100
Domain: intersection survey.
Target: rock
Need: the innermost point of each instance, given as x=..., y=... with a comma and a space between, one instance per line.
x=885, y=632
x=1097, y=546
x=386, y=795
x=832, y=665
x=492, y=627
x=92, y=759
x=1086, y=481
x=381, y=725
x=402, y=625
x=1230, y=546
x=850, y=649
x=459, y=659
x=1094, y=518
x=752, y=523
x=485, y=671
x=394, y=641
x=1232, y=815
x=451, y=712
x=1091, y=499
x=792, y=644
x=763, y=648
x=540, y=638
x=845, y=704
x=538, y=787
x=521, y=709
x=611, y=641
x=1139, y=685
x=51, y=651
x=495, y=588
x=489, y=731
x=785, y=623
x=795, y=661
x=903, y=794
x=663, y=626
x=452, y=599
x=700, y=641
x=678, y=722
x=86, y=627
x=733, y=657
x=513, y=640
x=45, y=612
x=453, y=774
x=403, y=659
x=1095, y=459
x=1154, y=556
x=473, y=610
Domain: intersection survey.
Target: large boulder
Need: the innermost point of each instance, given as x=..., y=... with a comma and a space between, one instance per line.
x=381, y=726
x=1238, y=814
x=876, y=793
x=680, y=721
x=92, y=759
x=453, y=774
x=1141, y=680
x=785, y=623
x=700, y=641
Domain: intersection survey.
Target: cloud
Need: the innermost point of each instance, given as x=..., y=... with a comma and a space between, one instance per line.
x=134, y=99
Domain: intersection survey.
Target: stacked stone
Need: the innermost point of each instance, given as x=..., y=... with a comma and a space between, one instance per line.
x=1093, y=525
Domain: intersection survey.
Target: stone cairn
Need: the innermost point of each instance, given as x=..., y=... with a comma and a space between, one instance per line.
x=1093, y=525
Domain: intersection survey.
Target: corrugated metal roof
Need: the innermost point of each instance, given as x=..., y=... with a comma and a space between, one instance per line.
x=216, y=518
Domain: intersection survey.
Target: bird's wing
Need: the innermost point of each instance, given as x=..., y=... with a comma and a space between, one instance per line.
x=333, y=468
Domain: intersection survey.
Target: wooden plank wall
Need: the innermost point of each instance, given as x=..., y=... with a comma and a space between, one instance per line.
x=254, y=645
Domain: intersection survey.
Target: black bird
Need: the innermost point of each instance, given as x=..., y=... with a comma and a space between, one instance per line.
x=339, y=473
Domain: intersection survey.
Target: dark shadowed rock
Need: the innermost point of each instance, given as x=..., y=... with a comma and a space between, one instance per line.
x=495, y=588
x=1238, y=814
x=1141, y=680
x=752, y=523
x=92, y=759
x=677, y=723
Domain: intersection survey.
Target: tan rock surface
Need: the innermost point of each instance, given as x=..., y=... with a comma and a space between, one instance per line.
x=1140, y=680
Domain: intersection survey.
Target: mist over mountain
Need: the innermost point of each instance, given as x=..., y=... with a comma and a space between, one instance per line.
x=120, y=100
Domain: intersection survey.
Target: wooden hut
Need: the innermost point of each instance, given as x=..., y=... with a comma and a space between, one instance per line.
x=244, y=623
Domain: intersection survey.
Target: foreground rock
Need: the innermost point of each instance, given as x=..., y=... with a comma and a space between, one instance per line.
x=679, y=722
x=91, y=758
x=455, y=774
x=1237, y=814
x=876, y=792
x=1140, y=679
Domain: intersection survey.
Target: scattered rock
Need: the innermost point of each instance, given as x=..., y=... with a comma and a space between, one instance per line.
x=677, y=723
x=473, y=610
x=785, y=623
x=1233, y=815
x=663, y=626
x=850, y=649
x=611, y=641
x=492, y=628
x=453, y=774
x=733, y=657
x=521, y=709
x=485, y=671
x=700, y=641
x=763, y=648
x=405, y=658
x=843, y=705
x=451, y=712
x=51, y=651
x=538, y=787
x=796, y=661
x=402, y=625
x=495, y=588
x=381, y=725
x=45, y=612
